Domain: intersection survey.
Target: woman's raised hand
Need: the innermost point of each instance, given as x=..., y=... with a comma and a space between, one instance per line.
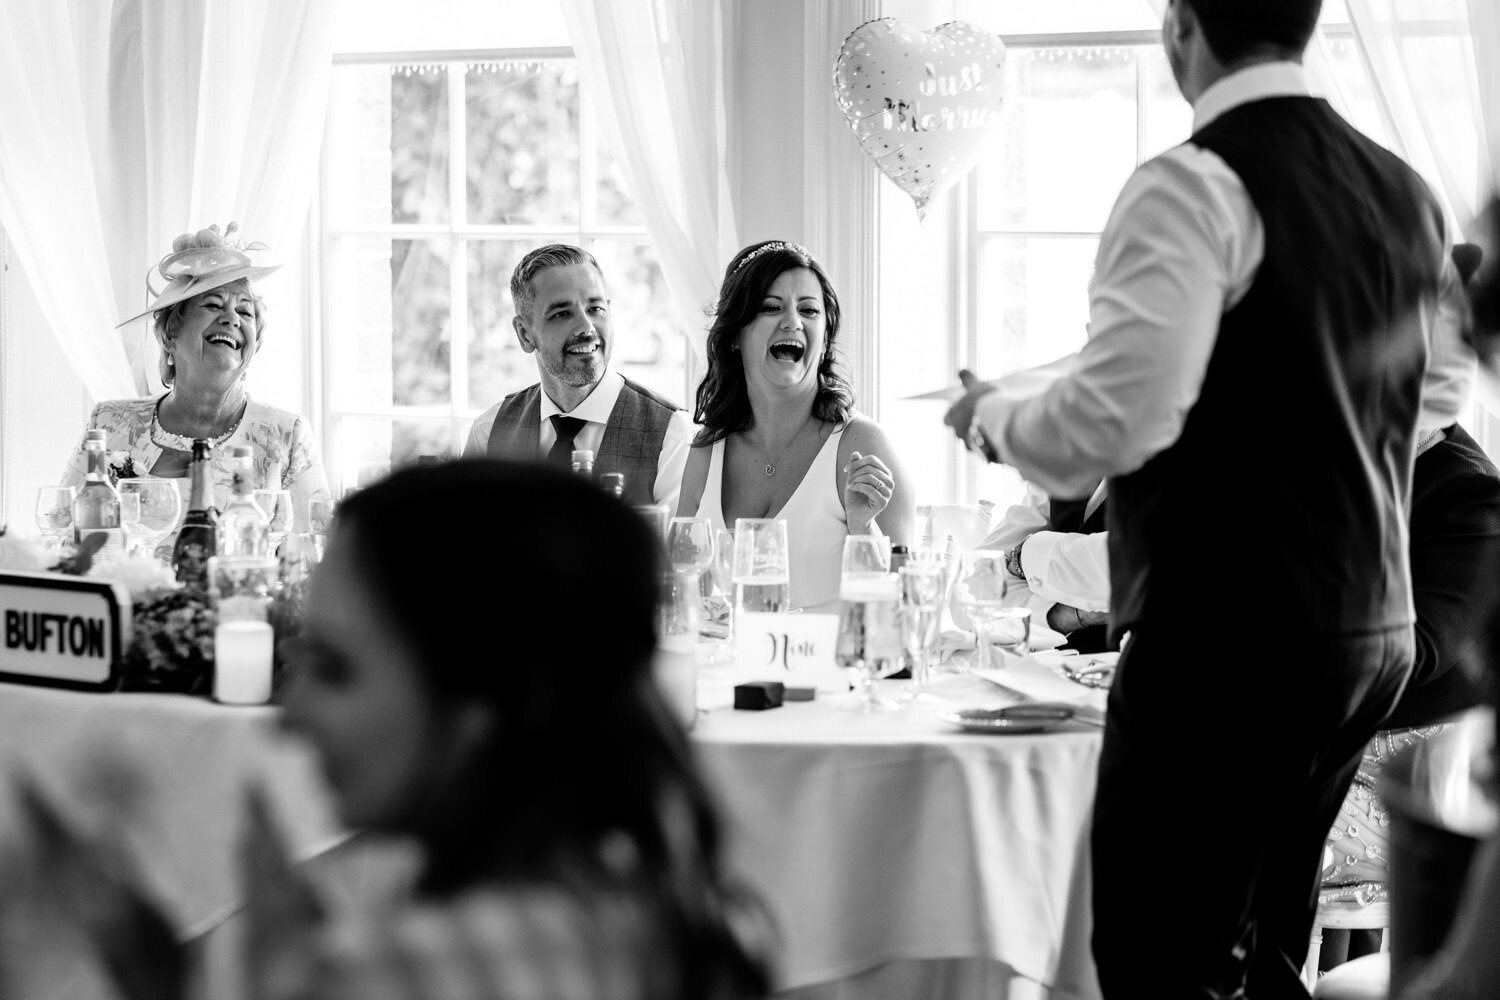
x=867, y=489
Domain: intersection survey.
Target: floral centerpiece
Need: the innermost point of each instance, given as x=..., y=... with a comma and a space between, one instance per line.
x=172, y=626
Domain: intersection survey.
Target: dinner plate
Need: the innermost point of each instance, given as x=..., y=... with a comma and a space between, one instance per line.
x=1013, y=719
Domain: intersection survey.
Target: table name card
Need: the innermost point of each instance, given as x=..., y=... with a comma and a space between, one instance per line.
x=64, y=631
x=794, y=649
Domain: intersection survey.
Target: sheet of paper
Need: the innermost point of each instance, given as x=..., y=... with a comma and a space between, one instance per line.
x=1018, y=385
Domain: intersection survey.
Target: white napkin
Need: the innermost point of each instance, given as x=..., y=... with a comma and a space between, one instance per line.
x=1038, y=678
x=957, y=641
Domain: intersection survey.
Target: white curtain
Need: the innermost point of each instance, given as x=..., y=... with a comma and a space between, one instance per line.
x=656, y=69
x=127, y=122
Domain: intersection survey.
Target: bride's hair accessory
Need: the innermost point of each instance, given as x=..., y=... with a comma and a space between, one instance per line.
x=200, y=262
x=768, y=248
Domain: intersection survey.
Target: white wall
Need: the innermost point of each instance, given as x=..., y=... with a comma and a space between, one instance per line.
x=43, y=405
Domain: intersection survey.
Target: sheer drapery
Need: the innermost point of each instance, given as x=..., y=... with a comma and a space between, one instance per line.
x=128, y=122
x=657, y=69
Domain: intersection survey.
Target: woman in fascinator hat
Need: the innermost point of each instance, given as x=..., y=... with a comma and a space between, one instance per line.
x=209, y=322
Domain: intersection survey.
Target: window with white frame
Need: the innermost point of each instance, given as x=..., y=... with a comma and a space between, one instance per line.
x=440, y=174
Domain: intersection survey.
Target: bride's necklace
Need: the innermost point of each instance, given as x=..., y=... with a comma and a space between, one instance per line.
x=770, y=465
x=163, y=438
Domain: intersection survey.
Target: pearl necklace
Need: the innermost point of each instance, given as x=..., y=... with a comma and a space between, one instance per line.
x=163, y=438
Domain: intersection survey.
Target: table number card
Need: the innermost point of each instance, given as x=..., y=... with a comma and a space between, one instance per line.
x=65, y=631
x=794, y=649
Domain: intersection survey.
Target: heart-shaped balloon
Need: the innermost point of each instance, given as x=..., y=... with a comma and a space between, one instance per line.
x=922, y=103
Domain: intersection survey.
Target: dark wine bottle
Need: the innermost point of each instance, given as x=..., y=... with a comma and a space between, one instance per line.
x=198, y=539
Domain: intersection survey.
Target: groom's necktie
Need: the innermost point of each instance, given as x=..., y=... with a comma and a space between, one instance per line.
x=567, y=429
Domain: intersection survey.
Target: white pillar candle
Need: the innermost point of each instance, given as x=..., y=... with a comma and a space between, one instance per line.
x=242, y=662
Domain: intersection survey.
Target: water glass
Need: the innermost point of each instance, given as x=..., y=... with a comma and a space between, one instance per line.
x=277, y=506
x=979, y=588
x=54, y=514
x=161, y=507
x=869, y=638
x=762, y=567
x=1010, y=630
x=242, y=586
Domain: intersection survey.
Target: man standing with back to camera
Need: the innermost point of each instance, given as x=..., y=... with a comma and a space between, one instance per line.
x=1257, y=346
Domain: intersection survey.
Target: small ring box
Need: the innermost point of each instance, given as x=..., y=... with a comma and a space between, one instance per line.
x=757, y=696
x=799, y=694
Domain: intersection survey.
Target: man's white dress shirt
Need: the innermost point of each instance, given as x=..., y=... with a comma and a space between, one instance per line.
x=1182, y=246
x=596, y=410
x=1061, y=567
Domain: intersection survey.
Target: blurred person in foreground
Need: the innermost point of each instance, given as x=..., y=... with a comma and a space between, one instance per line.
x=209, y=322
x=1258, y=323
x=1468, y=965
x=562, y=316
x=779, y=436
x=559, y=859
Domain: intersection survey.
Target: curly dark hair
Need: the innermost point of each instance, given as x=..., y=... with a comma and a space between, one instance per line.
x=723, y=401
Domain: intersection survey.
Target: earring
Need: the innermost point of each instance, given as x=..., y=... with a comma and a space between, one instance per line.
x=170, y=362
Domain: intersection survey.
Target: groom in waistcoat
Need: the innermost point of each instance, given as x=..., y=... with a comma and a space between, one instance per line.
x=1258, y=319
x=562, y=317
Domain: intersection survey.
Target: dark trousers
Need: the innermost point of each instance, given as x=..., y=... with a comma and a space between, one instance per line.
x=1221, y=772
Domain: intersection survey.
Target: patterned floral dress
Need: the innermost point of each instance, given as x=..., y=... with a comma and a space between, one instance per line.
x=273, y=435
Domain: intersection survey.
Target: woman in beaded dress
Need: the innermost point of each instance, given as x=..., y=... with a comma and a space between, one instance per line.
x=210, y=323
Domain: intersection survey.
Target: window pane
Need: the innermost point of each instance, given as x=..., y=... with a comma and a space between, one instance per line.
x=497, y=365
x=388, y=342
x=419, y=144
x=649, y=343
x=1169, y=117
x=370, y=448
x=522, y=130
x=1069, y=15
x=1033, y=301
x=1068, y=141
x=616, y=206
x=359, y=146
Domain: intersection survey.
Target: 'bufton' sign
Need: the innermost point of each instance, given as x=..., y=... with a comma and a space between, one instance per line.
x=65, y=631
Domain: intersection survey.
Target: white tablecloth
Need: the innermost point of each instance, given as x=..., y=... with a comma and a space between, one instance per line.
x=889, y=837
x=897, y=855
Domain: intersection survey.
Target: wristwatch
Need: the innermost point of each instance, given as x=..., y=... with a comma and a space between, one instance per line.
x=1013, y=560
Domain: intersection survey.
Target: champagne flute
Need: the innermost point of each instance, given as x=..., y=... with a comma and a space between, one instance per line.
x=277, y=506
x=869, y=639
x=979, y=588
x=921, y=601
x=130, y=521
x=161, y=507
x=54, y=514
x=320, y=511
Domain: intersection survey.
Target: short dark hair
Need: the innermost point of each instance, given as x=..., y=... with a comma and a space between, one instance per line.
x=723, y=401
x=1238, y=29
x=522, y=292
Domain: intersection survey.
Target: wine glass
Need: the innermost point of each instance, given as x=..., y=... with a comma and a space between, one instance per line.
x=161, y=506
x=690, y=544
x=979, y=588
x=54, y=514
x=921, y=601
x=277, y=506
x=869, y=639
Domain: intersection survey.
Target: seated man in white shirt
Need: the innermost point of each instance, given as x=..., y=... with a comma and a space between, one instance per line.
x=1058, y=559
x=563, y=318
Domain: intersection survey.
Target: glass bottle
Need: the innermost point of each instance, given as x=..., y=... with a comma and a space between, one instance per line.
x=583, y=462
x=243, y=526
x=197, y=540
x=613, y=483
x=96, y=508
